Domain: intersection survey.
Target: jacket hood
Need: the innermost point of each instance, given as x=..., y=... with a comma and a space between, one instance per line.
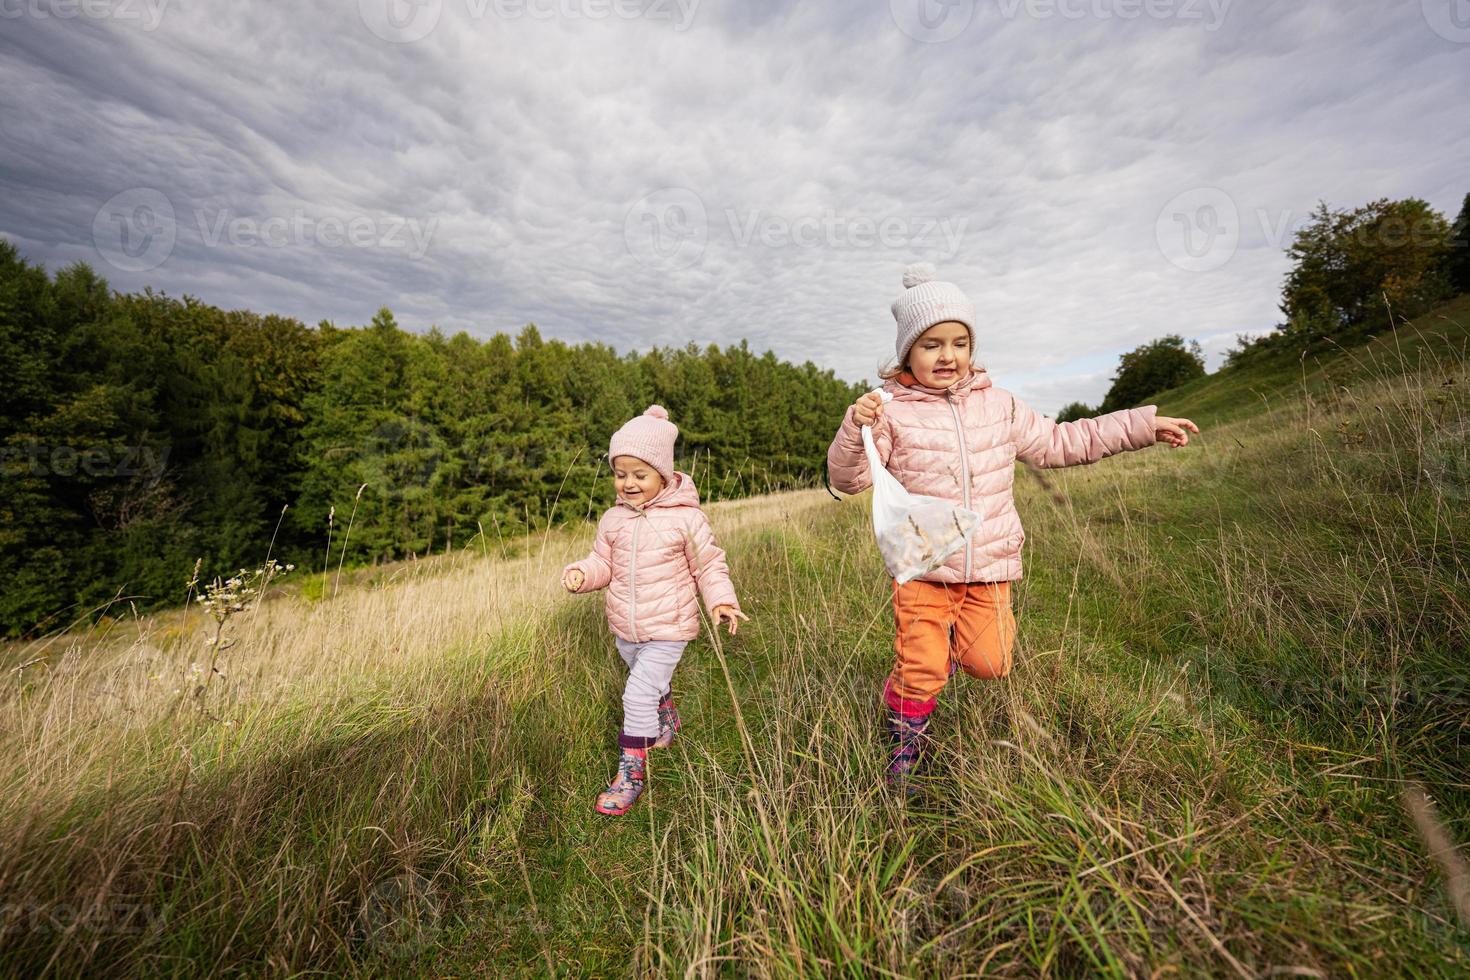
x=680, y=493
x=906, y=387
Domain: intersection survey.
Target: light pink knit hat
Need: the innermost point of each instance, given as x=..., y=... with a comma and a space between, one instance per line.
x=650, y=437
x=925, y=302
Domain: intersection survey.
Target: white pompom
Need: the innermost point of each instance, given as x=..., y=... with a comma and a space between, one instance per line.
x=657, y=411
x=917, y=273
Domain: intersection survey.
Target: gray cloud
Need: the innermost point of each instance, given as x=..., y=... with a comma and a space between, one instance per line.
x=790, y=159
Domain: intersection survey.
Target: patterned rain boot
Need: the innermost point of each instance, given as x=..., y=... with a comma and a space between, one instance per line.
x=668, y=721
x=908, y=736
x=626, y=786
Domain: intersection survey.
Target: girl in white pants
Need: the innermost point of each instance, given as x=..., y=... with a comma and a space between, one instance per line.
x=653, y=550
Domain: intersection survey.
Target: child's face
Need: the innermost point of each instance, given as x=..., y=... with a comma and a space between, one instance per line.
x=941, y=355
x=635, y=480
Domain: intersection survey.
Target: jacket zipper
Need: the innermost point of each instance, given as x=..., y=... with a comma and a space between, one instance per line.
x=633, y=582
x=959, y=430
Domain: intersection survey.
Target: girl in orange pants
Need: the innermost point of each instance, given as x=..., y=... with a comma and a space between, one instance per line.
x=948, y=432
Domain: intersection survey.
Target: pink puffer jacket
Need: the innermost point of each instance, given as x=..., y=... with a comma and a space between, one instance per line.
x=651, y=559
x=961, y=445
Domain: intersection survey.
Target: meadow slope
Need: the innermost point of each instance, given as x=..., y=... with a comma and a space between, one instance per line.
x=1234, y=660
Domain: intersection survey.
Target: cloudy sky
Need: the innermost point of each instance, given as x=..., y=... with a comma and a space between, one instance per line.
x=1095, y=173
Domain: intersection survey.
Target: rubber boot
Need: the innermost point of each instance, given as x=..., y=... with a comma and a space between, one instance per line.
x=626, y=786
x=908, y=736
x=668, y=721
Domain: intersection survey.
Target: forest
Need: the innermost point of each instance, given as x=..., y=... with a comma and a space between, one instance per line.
x=144, y=433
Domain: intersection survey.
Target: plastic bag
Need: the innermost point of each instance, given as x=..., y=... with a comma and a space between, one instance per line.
x=915, y=533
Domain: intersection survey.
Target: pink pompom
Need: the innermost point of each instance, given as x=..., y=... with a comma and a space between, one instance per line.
x=657, y=411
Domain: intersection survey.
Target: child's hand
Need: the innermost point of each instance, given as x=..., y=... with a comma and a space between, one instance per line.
x=728, y=613
x=573, y=578
x=1172, y=430
x=868, y=409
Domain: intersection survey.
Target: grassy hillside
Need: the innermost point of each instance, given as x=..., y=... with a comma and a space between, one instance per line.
x=1233, y=660
x=1438, y=338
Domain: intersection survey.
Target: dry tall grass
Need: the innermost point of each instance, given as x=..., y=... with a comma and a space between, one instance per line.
x=1232, y=658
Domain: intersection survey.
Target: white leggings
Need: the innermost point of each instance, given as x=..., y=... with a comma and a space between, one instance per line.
x=650, y=668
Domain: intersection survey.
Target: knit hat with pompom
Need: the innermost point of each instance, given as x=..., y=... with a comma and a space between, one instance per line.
x=925, y=302
x=650, y=437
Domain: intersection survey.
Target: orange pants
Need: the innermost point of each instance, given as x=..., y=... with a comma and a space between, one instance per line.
x=924, y=613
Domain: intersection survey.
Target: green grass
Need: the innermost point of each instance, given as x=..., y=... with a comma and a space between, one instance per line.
x=1232, y=658
x=1283, y=379
x=1195, y=763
